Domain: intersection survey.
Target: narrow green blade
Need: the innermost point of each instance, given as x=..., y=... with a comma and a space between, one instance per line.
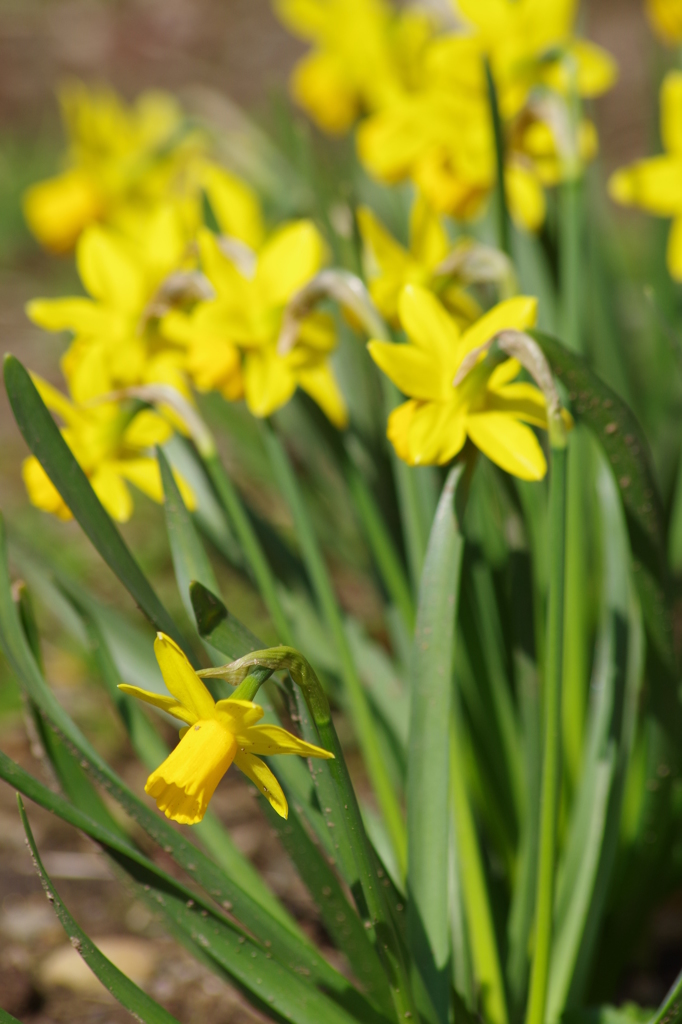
x=46, y=442
x=125, y=991
x=428, y=751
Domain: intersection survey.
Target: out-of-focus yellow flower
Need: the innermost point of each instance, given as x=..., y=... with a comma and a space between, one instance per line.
x=665, y=18
x=232, y=341
x=655, y=185
x=215, y=735
x=364, y=53
x=488, y=406
x=116, y=342
x=118, y=157
x=531, y=44
x=110, y=443
x=390, y=266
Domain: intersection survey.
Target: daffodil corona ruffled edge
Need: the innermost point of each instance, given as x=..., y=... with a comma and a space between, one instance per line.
x=215, y=735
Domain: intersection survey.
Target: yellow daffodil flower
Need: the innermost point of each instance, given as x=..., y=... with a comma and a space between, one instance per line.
x=215, y=735
x=665, y=18
x=232, y=340
x=488, y=406
x=655, y=185
x=119, y=157
x=531, y=45
x=364, y=53
x=110, y=443
x=116, y=342
x=390, y=266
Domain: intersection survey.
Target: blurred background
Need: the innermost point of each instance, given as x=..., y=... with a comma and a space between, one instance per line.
x=238, y=49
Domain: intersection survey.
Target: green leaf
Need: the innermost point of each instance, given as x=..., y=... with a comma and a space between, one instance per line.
x=125, y=991
x=628, y=453
x=46, y=442
x=339, y=918
x=595, y=830
x=428, y=757
x=324, y=591
x=189, y=558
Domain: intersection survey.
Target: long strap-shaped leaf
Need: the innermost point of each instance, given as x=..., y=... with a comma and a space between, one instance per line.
x=121, y=987
x=47, y=444
x=295, y=954
x=428, y=759
x=627, y=451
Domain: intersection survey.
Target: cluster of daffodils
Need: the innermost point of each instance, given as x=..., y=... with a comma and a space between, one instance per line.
x=418, y=86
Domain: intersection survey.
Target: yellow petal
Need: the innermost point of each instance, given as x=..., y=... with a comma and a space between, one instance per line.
x=429, y=326
x=508, y=443
x=415, y=372
x=144, y=473
x=80, y=315
x=597, y=70
x=269, y=381
x=147, y=429
x=238, y=715
x=671, y=112
x=436, y=433
x=57, y=210
x=654, y=184
x=665, y=17
x=504, y=374
x=184, y=784
x=41, y=491
x=319, y=382
x=167, y=704
x=390, y=257
x=516, y=314
x=108, y=270
x=319, y=85
x=674, y=249
x=220, y=270
x=525, y=196
x=235, y=205
x=266, y=740
x=428, y=238
x=112, y=491
x=397, y=429
x=522, y=400
x=289, y=259
x=181, y=679
x=264, y=780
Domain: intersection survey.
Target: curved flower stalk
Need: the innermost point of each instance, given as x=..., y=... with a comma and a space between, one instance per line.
x=665, y=18
x=364, y=54
x=486, y=403
x=121, y=159
x=215, y=735
x=655, y=184
x=389, y=266
x=110, y=442
x=232, y=340
x=116, y=340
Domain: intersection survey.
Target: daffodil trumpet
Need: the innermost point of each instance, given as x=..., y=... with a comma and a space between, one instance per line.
x=214, y=736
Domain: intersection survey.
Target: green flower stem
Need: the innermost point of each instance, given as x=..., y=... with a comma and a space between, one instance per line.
x=479, y=916
x=571, y=256
x=250, y=686
x=551, y=766
x=379, y=916
x=255, y=556
x=502, y=210
x=322, y=585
